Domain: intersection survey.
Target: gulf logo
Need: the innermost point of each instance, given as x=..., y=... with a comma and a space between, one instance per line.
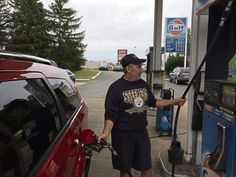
x=175, y=27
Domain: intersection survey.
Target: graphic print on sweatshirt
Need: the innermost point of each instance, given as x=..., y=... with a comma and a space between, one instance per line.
x=136, y=97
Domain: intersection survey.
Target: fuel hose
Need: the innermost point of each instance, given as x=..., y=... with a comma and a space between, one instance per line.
x=224, y=17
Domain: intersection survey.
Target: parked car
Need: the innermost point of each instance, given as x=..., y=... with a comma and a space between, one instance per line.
x=71, y=75
x=103, y=66
x=179, y=75
x=41, y=117
x=118, y=67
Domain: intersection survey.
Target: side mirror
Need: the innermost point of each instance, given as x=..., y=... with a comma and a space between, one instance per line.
x=88, y=137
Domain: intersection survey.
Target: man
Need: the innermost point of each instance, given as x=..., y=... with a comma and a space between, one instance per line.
x=126, y=106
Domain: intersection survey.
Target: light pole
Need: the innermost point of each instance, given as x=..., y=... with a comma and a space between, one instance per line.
x=134, y=49
x=156, y=65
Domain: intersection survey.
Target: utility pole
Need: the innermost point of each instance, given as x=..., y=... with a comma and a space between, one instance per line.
x=157, y=79
x=157, y=35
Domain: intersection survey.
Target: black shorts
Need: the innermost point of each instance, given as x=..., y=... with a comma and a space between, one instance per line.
x=133, y=148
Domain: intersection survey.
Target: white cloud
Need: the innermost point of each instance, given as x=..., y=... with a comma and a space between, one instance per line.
x=111, y=2
x=126, y=24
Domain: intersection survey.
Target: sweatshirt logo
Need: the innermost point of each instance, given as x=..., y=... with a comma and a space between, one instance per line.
x=137, y=98
x=138, y=102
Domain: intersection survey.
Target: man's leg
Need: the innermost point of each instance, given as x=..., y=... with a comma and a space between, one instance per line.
x=123, y=144
x=124, y=174
x=147, y=173
x=142, y=157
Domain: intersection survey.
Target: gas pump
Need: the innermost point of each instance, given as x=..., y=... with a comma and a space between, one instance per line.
x=154, y=77
x=218, y=150
x=198, y=102
x=219, y=129
x=149, y=54
x=157, y=82
x=164, y=115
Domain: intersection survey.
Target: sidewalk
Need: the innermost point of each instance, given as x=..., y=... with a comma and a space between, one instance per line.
x=160, y=146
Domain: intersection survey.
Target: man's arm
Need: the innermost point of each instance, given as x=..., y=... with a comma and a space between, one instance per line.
x=108, y=125
x=170, y=102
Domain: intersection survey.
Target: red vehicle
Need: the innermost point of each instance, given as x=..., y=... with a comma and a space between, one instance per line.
x=41, y=117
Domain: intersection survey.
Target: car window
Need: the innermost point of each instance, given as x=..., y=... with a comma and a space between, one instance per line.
x=103, y=65
x=68, y=96
x=29, y=122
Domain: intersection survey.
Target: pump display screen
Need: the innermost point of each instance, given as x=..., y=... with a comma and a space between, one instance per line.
x=229, y=96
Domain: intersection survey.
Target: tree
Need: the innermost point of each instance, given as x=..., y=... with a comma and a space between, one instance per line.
x=67, y=47
x=29, y=28
x=174, y=61
x=4, y=22
x=188, y=42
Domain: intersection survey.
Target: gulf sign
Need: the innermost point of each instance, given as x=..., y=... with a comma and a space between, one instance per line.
x=176, y=27
x=176, y=34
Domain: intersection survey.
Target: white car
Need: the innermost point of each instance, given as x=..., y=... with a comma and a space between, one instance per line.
x=117, y=67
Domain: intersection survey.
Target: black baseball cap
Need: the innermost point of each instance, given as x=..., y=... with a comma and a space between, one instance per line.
x=131, y=59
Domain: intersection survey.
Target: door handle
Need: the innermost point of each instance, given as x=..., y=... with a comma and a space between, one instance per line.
x=73, y=147
x=76, y=142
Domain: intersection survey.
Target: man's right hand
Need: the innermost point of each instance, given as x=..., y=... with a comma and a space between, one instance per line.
x=108, y=125
x=103, y=136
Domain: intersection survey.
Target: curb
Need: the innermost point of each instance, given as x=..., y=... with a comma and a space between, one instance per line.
x=98, y=74
x=82, y=79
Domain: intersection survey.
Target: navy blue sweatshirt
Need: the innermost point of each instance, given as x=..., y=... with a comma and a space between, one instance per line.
x=126, y=104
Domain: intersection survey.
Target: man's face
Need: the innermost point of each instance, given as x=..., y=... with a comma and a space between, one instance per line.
x=136, y=71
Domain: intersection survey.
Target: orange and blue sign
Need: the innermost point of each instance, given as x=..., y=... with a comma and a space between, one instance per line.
x=176, y=32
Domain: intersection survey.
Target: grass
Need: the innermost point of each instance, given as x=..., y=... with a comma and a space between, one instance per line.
x=85, y=73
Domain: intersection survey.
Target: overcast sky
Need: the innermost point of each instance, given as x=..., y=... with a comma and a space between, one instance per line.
x=122, y=24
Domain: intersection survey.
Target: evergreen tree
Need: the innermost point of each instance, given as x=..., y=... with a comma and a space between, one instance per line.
x=4, y=22
x=174, y=61
x=188, y=42
x=67, y=47
x=29, y=28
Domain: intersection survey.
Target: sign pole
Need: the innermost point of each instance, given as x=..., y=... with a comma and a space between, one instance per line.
x=186, y=44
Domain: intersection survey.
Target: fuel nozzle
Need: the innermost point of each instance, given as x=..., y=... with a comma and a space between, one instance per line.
x=109, y=146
